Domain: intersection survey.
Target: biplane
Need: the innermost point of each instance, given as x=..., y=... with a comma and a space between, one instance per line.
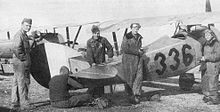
x=165, y=57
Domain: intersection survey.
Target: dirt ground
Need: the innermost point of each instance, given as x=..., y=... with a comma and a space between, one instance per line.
x=173, y=99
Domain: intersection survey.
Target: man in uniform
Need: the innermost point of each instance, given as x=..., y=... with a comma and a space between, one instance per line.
x=210, y=61
x=211, y=64
x=21, y=63
x=96, y=50
x=132, y=62
x=59, y=90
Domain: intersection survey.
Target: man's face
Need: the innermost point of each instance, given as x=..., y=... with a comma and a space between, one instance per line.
x=135, y=28
x=96, y=35
x=26, y=27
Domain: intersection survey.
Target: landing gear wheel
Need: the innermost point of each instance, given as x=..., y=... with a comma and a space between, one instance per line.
x=186, y=81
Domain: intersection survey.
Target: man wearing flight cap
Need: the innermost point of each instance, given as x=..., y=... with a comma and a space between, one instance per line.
x=21, y=63
x=97, y=47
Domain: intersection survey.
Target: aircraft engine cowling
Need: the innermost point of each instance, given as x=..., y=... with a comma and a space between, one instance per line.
x=39, y=64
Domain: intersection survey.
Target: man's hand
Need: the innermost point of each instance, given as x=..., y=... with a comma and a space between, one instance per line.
x=202, y=59
x=141, y=52
x=83, y=54
x=74, y=83
x=93, y=64
x=38, y=33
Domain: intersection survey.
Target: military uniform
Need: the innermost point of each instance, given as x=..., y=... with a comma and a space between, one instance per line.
x=211, y=69
x=132, y=63
x=96, y=50
x=59, y=92
x=21, y=62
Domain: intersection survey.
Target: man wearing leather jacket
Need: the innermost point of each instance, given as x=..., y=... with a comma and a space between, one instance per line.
x=21, y=64
x=210, y=61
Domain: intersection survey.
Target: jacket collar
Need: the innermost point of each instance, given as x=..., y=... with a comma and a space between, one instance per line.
x=130, y=36
x=93, y=40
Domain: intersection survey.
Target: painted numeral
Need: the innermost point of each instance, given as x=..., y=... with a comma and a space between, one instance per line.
x=187, y=57
x=162, y=62
x=176, y=58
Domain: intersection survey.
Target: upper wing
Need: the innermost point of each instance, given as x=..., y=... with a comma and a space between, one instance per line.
x=65, y=25
x=50, y=26
x=197, y=18
x=74, y=25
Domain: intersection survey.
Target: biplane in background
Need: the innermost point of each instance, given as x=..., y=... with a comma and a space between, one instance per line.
x=165, y=57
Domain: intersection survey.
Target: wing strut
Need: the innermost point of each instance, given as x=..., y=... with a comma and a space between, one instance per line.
x=67, y=36
x=8, y=34
x=77, y=34
x=115, y=43
x=54, y=30
x=126, y=30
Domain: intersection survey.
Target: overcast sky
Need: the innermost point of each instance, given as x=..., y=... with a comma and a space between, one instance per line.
x=53, y=12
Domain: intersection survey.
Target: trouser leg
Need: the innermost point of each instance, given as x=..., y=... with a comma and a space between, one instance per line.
x=138, y=79
x=14, y=91
x=204, y=82
x=137, y=85
x=72, y=101
x=79, y=99
x=210, y=84
x=213, y=86
x=23, y=92
x=61, y=104
x=23, y=84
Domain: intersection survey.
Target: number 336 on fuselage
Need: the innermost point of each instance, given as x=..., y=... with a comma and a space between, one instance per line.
x=168, y=57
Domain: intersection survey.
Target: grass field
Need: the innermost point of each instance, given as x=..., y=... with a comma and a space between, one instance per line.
x=173, y=99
